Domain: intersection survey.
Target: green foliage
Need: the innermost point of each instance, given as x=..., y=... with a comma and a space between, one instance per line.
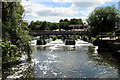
x=97, y=37
x=109, y=33
x=118, y=30
x=54, y=26
x=54, y=37
x=14, y=29
x=43, y=25
x=66, y=20
x=64, y=25
x=76, y=21
x=59, y=36
x=93, y=38
x=75, y=37
x=9, y=52
x=63, y=38
x=38, y=25
x=103, y=19
x=61, y=20
x=84, y=37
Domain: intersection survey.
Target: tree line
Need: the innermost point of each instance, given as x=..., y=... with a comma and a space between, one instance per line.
x=62, y=24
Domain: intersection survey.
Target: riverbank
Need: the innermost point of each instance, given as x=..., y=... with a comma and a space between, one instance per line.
x=108, y=45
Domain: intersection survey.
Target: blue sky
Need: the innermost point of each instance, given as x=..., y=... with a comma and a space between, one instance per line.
x=54, y=10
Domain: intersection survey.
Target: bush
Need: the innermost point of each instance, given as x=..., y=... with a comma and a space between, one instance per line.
x=75, y=37
x=59, y=36
x=54, y=37
x=109, y=34
x=84, y=37
x=9, y=52
x=97, y=37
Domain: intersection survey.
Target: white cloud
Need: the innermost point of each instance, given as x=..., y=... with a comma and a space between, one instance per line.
x=70, y=1
x=87, y=11
x=63, y=1
x=85, y=4
x=36, y=9
x=54, y=19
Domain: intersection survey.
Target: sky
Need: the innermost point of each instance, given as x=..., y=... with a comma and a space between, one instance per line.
x=54, y=10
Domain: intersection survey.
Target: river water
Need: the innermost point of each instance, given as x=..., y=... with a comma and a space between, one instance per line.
x=57, y=60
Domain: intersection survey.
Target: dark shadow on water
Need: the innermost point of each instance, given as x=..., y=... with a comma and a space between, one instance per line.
x=41, y=48
x=101, y=58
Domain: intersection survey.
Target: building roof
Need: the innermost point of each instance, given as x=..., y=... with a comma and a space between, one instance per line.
x=78, y=25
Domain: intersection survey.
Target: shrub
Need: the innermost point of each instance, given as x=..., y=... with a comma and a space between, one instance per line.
x=9, y=52
x=97, y=37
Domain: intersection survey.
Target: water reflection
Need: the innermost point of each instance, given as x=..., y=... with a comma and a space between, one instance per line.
x=104, y=60
x=39, y=48
x=69, y=48
x=56, y=60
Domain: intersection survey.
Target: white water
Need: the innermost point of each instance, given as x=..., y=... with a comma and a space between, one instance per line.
x=57, y=60
x=59, y=42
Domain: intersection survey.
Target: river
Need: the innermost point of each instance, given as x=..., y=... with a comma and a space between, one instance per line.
x=57, y=60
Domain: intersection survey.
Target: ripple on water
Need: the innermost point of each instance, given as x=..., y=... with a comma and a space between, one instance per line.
x=56, y=60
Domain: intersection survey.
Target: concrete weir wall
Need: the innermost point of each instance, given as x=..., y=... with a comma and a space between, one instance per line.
x=70, y=42
x=41, y=42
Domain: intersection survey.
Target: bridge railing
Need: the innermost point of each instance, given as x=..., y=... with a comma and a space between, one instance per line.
x=50, y=32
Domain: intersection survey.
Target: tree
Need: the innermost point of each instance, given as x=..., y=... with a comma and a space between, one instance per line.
x=76, y=21
x=54, y=26
x=65, y=20
x=64, y=25
x=31, y=26
x=61, y=20
x=103, y=19
x=44, y=25
x=14, y=28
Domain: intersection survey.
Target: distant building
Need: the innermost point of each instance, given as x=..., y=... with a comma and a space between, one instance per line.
x=79, y=27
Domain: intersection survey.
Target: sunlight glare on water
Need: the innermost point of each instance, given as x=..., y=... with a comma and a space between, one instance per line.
x=57, y=60
x=72, y=61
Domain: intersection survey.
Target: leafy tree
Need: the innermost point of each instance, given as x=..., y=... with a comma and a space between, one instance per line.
x=103, y=19
x=61, y=20
x=64, y=25
x=54, y=26
x=14, y=28
x=80, y=21
x=31, y=26
x=65, y=20
x=76, y=21
x=44, y=25
x=10, y=52
x=39, y=25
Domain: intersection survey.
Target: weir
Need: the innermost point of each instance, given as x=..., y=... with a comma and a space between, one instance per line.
x=43, y=32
